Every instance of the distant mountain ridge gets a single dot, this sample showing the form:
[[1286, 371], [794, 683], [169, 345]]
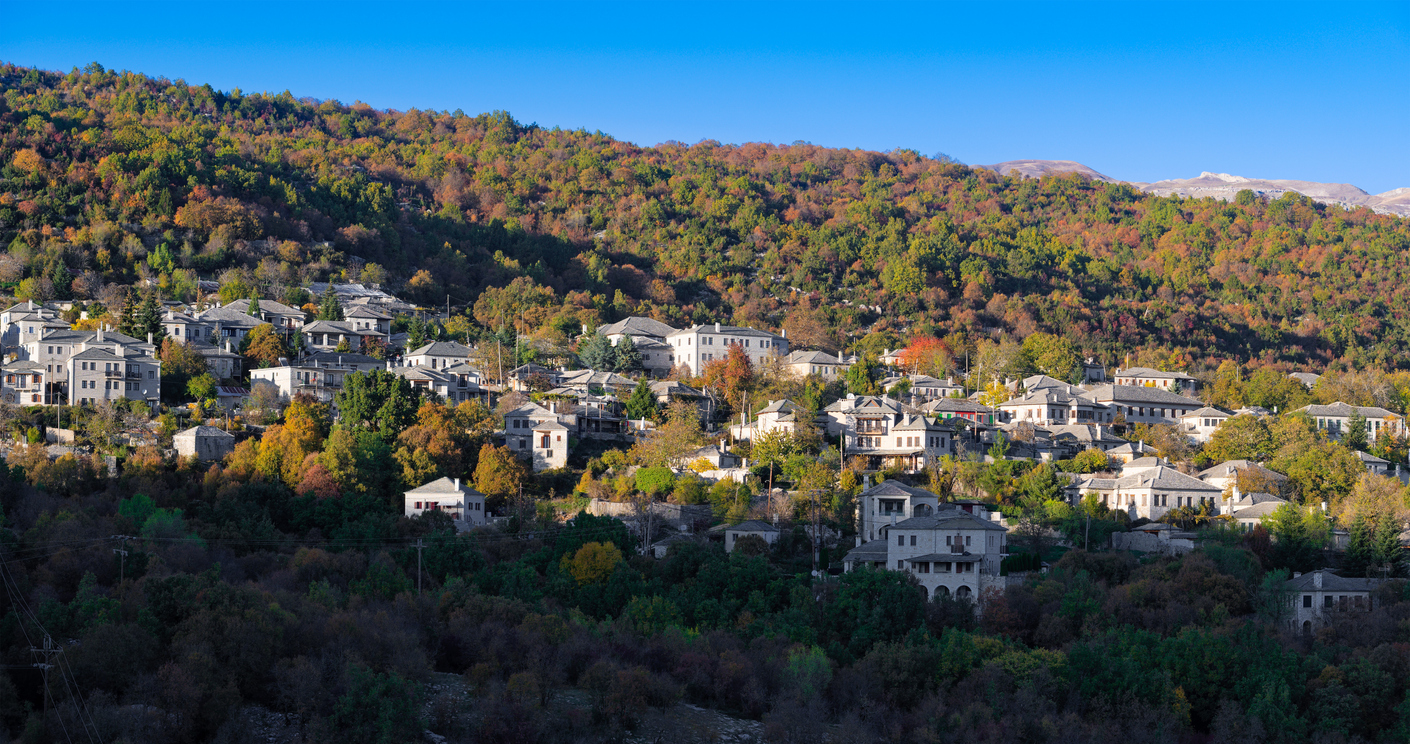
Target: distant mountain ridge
[[1225, 186]]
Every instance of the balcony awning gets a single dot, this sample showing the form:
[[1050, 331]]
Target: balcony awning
[[946, 558]]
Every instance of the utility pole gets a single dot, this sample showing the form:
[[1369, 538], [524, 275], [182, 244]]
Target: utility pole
[[817, 534], [47, 652], [122, 564], [419, 546]]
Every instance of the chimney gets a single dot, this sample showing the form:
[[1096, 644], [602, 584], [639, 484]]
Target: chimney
[[1237, 495], [227, 346], [149, 337], [717, 328], [1317, 579], [120, 350], [29, 304], [457, 484], [100, 333]]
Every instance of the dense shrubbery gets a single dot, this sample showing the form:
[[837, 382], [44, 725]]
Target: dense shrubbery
[[309, 606]]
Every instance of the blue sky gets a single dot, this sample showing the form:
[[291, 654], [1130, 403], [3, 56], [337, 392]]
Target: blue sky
[[1140, 91]]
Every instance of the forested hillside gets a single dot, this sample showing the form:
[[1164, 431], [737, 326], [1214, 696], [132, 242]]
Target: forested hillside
[[109, 178]]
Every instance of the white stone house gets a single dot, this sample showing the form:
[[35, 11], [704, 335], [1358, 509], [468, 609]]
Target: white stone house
[[326, 335], [1249, 510], [1335, 419], [455, 384], [1143, 405], [951, 552], [205, 443], [1054, 406], [22, 383], [1225, 475], [1201, 423], [767, 532], [696, 346], [778, 416], [1320, 596], [924, 387], [550, 445], [519, 426], [186, 328], [439, 354], [824, 365], [463, 504], [889, 502], [1149, 493], [649, 338], [96, 374], [1177, 382], [367, 318]]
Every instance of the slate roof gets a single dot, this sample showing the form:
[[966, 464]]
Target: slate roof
[[874, 551], [1343, 410], [1152, 373], [637, 326], [955, 405], [1331, 583], [206, 431], [724, 329], [888, 488], [444, 485], [752, 525], [1207, 412], [948, 519], [1306, 378], [1231, 467], [1140, 394], [778, 406], [339, 326], [1040, 382], [344, 358], [811, 357], [443, 348]]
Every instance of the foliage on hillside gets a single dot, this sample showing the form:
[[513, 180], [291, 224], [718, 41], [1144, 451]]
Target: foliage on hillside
[[112, 177]]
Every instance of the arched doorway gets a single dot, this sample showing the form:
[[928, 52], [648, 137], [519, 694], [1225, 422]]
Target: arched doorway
[[940, 591], [962, 593], [1307, 627], [923, 510]]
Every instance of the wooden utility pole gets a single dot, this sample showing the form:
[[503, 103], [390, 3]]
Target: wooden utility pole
[[419, 546]]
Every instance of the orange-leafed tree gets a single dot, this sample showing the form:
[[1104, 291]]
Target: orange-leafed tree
[[731, 377], [927, 355]]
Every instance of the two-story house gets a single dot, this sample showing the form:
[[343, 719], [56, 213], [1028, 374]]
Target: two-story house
[[327, 335], [318, 375], [822, 364], [924, 388], [1053, 406], [1201, 423], [22, 383], [22, 323], [463, 504], [1137, 404], [945, 408], [696, 346], [186, 328], [1149, 492], [1335, 419], [234, 320], [455, 384], [438, 354], [1321, 596], [519, 426], [649, 338], [1175, 382], [367, 318], [778, 416]]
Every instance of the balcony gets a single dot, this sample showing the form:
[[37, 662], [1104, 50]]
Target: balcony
[[134, 375], [113, 373]]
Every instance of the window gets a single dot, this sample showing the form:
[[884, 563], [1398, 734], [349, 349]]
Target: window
[[900, 565], [923, 567], [913, 541], [1307, 600], [968, 540], [1327, 601], [418, 505], [901, 540]]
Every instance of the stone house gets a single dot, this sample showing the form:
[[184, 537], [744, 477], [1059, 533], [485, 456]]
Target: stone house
[[550, 445], [951, 552], [733, 533], [1177, 382], [1320, 596], [205, 443], [464, 505], [694, 347], [1336, 418]]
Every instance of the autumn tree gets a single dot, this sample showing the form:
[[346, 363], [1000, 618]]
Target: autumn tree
[[732, 378], [499, 474], [444, 441], [669, 444], [263, 347], [927, 355]]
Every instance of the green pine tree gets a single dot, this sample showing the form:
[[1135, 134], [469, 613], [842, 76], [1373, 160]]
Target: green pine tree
[[596, 352], [1355, 436], [149, 319], [625, 356], [252, 309], [1386, 553], [127, 317], [415, 333], [1358, 549], [642, 403], [328, 307]]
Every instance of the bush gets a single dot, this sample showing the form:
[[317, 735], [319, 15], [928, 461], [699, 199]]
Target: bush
[[655, 481]]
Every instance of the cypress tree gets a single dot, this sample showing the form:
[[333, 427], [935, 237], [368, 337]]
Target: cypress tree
[[1386, 550], [1355, 437], [127, 318], [149, 320], [1358, 550]]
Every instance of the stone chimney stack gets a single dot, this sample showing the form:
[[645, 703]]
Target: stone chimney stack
[[149, 337], [100, 333], [1317, 579], [717, 328]]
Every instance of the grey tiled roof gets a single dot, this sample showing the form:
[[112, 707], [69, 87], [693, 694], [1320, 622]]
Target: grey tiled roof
[[1140, 394], [1343, 410], [637, 326], [1331, 583]]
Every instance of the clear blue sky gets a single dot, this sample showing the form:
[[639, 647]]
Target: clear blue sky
[[1139, 91]]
